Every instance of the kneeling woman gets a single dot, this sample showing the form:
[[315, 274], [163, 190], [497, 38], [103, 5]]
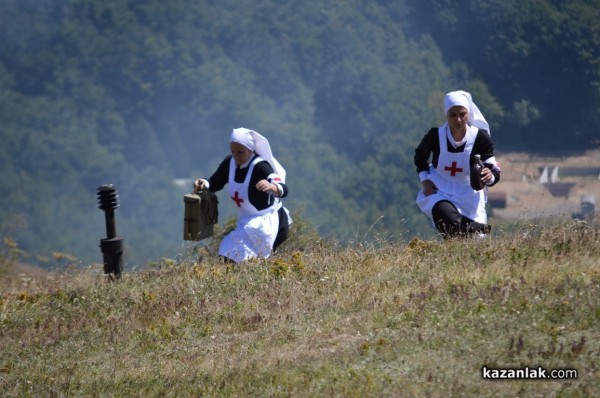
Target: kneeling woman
[[256, 185], [455, 208]]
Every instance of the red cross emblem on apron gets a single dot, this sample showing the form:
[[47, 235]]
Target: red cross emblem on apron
[[453, 170], [237, 199]]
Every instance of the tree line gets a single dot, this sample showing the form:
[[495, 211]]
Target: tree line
[[140, 93]]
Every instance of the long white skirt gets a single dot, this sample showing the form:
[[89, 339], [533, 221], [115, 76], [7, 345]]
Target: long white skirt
[[253, 237], [468, 202]]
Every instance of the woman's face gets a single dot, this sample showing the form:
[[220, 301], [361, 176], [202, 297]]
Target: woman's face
[[458, 117], [240, 153]]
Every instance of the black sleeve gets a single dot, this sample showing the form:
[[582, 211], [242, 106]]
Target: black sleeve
[[220, 177], [264, 171], [428, 145], [484, 146]]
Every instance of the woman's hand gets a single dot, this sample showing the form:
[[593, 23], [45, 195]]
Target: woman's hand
[[199, 184], [266, 186], [486, 176], [429, 187]]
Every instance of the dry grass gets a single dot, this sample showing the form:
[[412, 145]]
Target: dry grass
[[371, 320]]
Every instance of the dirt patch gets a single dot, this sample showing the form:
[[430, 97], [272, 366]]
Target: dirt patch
[[535, 186]]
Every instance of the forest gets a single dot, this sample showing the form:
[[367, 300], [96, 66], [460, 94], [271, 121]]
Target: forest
[[141, 94]]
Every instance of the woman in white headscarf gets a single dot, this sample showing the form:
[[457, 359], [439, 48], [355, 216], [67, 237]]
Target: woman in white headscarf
[[455, 208], [256, 185]]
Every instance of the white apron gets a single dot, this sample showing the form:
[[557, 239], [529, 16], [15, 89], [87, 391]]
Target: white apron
[[452, 181], [256, 230]]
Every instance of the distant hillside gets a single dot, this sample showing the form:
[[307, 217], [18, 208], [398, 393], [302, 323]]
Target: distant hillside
[[141, 93]]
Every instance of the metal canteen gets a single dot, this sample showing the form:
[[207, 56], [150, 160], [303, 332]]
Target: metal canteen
[[475, 178]]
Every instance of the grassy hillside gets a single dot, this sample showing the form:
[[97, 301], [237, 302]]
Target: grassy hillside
[[373, 319]]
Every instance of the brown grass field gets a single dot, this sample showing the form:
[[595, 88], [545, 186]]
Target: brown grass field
[[371, 319]]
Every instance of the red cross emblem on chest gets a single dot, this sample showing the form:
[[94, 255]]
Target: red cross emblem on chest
[[453, 170], [237, 199]]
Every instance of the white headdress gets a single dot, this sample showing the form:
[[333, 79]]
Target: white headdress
[[260, 145], [462, 98]]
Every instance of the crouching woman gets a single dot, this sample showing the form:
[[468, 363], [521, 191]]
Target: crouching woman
[[256, 184]]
